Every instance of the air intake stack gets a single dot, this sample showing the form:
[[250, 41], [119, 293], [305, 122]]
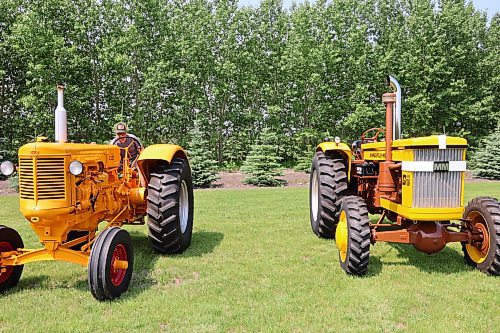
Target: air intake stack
[[61, 121], [396, 112]]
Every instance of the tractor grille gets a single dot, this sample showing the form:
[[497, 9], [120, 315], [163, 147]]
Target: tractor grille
[[452, 154], [50, 178], [49, 183], [437, 189], [26, 185]]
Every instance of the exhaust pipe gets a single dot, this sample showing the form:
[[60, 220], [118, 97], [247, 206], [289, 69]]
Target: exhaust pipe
[[396, 113], [61, 121]]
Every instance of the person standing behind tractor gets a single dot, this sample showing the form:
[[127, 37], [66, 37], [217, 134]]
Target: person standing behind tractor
[[126, 140]]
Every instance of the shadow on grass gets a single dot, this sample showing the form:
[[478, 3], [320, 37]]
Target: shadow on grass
[[202, 242], [32, 282], [46, 282], [144, 261], [145, 258], [447, 261], [374, 267]]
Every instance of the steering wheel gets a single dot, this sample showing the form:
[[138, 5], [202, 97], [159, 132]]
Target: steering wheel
[[374, 138], [125, 137], [126, 148]]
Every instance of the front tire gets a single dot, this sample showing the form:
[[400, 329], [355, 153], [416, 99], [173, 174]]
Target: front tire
[[110, 264], [10, 240], [352, 236], [328, 184], [170, 207], [484, 216]]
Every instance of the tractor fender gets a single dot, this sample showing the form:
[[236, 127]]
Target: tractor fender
[[154, 154], [342, 148]]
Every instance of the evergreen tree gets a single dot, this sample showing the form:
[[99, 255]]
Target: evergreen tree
[[262, 163], [486, 161], [305, 144], [304, 161], [314, 67], [203, 166]]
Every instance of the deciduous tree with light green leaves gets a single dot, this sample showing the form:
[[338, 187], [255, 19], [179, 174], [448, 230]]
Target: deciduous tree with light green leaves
[[314, 67]]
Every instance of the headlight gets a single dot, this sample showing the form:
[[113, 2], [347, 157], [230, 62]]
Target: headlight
[[7, 168], [337, 140], [76, 168]]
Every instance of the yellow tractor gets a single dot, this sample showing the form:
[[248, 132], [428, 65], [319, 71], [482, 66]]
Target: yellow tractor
[[417, 184], [67, 189]]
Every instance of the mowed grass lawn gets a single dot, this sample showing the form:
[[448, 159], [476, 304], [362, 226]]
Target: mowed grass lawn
[[255, 266]]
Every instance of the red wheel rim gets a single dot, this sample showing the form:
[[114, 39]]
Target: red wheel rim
[[485, 244], [118, 275], [479, 251], [6, 247]]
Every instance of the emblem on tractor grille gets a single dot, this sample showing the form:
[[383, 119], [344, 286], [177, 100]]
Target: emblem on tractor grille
[[441, 166]]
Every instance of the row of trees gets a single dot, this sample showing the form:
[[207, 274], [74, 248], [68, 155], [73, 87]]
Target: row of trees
[[312, 70]]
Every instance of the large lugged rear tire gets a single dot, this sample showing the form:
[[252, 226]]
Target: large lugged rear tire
[[10, 240], [110, 264], [170, 207], [484, 216], [353, 236], [328, 184]]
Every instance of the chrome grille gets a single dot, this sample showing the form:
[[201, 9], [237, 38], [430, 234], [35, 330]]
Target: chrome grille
[[437, 189], [451, 154], [26, 185], [46, 183]]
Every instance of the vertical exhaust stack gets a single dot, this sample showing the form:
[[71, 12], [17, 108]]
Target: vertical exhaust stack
[[396, 115], [61, 120], [386, 180]]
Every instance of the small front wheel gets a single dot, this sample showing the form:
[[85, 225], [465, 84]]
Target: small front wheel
[[10, 240], [110, 264], [352, 236], [483, 216]]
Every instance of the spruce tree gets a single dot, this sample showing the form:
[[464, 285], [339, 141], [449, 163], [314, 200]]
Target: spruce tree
[[262, 163], [486, 161], [203, 166], [304, 160]]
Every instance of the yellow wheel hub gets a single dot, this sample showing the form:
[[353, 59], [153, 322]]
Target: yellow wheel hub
[[341, 236]]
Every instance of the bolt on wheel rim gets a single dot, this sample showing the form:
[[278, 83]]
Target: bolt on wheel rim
[[341, 236], [118, 275], [183, 206], [7, 271], [314, 195], [479, 253]]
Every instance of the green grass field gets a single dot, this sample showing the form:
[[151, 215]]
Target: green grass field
[[255, 266]]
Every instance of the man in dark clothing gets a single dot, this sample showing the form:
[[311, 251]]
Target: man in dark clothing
[[125, 140]]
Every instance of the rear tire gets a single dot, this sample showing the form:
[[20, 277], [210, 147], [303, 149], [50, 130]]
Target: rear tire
[[484, 213], [170, 207], [353, 236], [106, 281], [328, 184], [10, 240]]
